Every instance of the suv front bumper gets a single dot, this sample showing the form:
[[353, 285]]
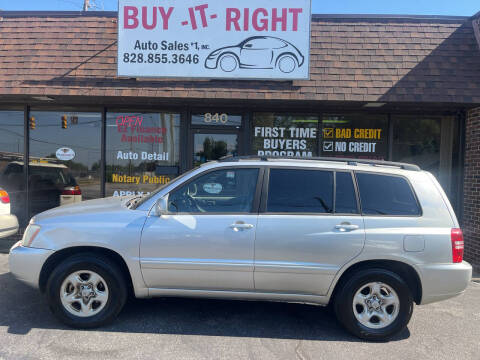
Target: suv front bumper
[[26, 263], [443, 281]]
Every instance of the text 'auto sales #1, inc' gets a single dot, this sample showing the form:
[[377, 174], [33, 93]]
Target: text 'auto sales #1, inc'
[[239, 39]]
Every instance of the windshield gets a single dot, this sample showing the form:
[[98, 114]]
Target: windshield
[[144, 198]]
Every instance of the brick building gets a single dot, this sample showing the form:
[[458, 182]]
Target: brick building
[[415, 80]]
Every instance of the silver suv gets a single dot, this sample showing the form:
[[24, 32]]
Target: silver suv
[[371, 238]]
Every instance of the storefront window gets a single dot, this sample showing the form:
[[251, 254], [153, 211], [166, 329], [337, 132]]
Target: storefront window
[[285, 135], [355, 136], [417, 140], [11, 160], [143, 151], [64, 158]]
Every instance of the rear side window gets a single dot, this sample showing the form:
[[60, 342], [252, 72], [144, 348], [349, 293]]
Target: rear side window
[[300, 191], [345, 198], [386, 195]]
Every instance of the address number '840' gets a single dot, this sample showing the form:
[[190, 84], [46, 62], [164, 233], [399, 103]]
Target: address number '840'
[[215, 118]]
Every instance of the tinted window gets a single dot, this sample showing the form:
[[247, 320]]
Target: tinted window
[[345, 200], [386, 195], [300, 191], [222, 191]]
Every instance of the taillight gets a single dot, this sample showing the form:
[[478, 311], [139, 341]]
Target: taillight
[[73, 190], [4, 197], [457, 245]]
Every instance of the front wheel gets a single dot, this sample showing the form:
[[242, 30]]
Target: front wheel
[[86, 291], [374, 304], [228, 63]]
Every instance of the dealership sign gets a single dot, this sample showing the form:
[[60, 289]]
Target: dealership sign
[[65, 154], [240, 39]]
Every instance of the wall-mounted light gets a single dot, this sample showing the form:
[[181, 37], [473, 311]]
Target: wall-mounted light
[[43, 98], [374, 105]]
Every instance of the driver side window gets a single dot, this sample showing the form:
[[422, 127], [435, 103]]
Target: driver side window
[[220, 191], [257, 44]]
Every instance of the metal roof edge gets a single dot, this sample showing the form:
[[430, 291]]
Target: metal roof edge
[[6, 13], [391, 17]]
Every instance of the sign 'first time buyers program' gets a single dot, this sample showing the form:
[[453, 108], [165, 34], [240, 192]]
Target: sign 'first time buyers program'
[[240, 39]]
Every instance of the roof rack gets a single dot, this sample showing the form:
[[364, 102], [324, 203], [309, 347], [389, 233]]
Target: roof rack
[[351, 162]]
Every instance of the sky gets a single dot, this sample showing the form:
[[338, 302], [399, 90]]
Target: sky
[[404, 7]]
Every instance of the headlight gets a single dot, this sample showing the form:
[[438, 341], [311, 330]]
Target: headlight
[[30, 234]]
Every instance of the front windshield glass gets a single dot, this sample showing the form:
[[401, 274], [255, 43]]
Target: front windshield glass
[[144, 198]]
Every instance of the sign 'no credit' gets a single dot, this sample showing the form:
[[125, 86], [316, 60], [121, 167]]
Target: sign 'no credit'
[[241, 39]]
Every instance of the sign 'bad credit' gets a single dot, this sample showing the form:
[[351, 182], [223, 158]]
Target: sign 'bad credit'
[[241, 39]]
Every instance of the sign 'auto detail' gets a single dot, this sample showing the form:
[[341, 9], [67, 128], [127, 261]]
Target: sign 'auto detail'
[[247, 39]]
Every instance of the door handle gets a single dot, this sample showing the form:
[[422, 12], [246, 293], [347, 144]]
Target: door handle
[[346, 227], [239, 226]]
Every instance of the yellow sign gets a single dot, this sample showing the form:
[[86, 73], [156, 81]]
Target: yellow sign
[[374, 134], [328, 133], [144, 179], [346, 133]]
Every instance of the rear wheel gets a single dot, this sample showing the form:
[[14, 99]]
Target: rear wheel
[[287, 64], [374, 304], [86, 291]]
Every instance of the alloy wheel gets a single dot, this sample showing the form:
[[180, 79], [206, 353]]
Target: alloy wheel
[[376, 305], [84, 293]]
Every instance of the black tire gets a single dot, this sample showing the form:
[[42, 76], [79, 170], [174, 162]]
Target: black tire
[[343, 304], [104, 267]]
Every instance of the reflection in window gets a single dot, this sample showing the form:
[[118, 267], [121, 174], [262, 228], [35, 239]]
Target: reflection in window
[[65, 158], [222, 191], [417, 141], [11, 161], [208, 147], [143, 151]]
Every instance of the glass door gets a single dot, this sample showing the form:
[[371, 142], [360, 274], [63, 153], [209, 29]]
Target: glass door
[[211, 145], [215, 135]]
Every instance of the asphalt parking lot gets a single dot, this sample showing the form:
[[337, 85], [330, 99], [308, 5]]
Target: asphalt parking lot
[[211, 329]]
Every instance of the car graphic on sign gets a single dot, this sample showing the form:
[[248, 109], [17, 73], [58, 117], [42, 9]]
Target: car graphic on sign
[[258, 52]]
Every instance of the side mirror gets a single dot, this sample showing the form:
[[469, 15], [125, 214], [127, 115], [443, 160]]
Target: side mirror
[[161, 207]]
